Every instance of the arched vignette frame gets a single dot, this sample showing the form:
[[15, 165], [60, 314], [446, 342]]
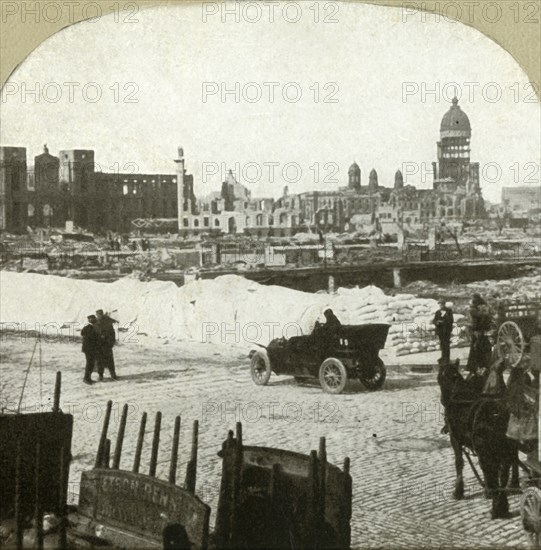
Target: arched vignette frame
[[516, 31]]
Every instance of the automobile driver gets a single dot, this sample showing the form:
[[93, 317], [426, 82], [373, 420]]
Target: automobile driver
[[328, 331]]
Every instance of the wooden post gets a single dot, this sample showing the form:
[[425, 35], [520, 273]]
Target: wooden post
[[38, 511], [57, 389], [313, 505], [155, 445], [106, 461], [174, 452], [139, 448], [237, 473], [120, 437], [346, 465], [18, 501], [348, 495], [274, 494], [222, 529], [191, 469], [103, 437], [62, 539], [322, 457], [229, 442], [397, 279], [239, 433]]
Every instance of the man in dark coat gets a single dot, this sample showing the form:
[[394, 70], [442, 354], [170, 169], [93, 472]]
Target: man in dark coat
[[331, 321], [443, 321], [480, 348], [327, 333], [107, 337], [90, 347]]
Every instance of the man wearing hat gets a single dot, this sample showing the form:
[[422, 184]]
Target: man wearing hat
[[481, 323], [327, 333], [443, 321], [90, 347], [107, 338]]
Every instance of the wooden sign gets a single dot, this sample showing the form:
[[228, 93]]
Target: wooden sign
[[142, 505]]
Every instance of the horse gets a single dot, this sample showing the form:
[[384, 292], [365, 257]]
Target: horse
[[476, 418]]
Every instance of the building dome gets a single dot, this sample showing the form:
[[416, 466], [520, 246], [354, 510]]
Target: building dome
[[398, 180], [373, 180], [455, 122], [354, 168], [354, 177]]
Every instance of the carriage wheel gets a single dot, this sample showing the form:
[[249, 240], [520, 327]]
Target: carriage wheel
[[260, 368], [333, 375], [512, 340], [530, 512]]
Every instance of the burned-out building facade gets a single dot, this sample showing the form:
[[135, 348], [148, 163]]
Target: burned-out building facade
[[71, 187]]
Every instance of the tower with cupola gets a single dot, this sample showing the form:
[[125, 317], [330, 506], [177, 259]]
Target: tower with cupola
[[354, 177], [454, 173]]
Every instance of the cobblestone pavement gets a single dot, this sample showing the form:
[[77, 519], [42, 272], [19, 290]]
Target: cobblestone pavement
[[402, 467]]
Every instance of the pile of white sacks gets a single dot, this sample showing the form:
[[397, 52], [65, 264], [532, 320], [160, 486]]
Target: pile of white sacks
[[410, 317], [228, 310]]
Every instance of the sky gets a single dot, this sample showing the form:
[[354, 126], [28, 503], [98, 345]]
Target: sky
[[316, 91]]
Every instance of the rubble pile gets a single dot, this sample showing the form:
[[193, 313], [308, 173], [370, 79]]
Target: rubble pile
[[228, 310], [351, 256], [520, 288], [523, 288]]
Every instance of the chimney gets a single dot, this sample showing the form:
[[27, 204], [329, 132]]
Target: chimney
[[180, 186]]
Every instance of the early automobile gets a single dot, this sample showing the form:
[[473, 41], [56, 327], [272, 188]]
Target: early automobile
[[352, 353]]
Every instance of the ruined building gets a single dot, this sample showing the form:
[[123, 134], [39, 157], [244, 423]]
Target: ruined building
[[72, 187]]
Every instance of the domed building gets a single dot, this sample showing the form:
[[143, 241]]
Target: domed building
[[454, 167], [455, 123], [398, 180], [456, 194], [354, 177], [454, 173], [67, 188], [373, 181]]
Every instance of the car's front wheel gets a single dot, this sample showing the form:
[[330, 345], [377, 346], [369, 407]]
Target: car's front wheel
[[333, 376], [260, 368]]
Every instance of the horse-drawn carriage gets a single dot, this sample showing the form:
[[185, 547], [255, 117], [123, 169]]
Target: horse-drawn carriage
[[517, 322], [518, 333], [524, 427], [351, 353]]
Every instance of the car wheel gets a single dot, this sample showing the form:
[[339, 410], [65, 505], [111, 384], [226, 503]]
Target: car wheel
[[260, 368], [375, 378], [333, 375]]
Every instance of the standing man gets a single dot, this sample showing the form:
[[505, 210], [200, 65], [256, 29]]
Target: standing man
[[107, 338], [443, 321], [481, 322], [90, 347]]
